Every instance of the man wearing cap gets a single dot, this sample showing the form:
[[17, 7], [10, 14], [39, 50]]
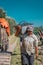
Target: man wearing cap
[[29, 47]]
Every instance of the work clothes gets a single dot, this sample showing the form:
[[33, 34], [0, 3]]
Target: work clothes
[[28, 49], [27, 59]]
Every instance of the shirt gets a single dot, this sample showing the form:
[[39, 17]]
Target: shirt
[[29, 43]]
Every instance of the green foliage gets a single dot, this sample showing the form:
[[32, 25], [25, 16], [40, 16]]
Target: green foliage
[[37, 29], [11, 22], [2, 13], [41, 28]]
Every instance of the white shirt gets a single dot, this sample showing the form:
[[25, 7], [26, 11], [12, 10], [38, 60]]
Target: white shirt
[[30, 42]]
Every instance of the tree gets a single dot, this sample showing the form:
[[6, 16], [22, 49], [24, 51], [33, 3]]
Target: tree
[[2, 13], [41, 28], [11, 22], [36, 30]]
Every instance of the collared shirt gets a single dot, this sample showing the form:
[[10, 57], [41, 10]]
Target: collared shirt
[[28, 44]]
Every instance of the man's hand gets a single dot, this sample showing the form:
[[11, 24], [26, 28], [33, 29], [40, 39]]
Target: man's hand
[[36, 48]]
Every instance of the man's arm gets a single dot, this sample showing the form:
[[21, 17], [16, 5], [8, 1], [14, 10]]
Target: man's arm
[[36, 49], [36, 46], [18, 30]]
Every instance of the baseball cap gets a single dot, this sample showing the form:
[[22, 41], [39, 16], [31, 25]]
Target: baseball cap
[[30, 28]]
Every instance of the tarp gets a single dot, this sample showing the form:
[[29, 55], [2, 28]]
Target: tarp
[[5, 24]]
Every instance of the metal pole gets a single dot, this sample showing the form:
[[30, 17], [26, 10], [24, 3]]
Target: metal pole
[[0, 33]]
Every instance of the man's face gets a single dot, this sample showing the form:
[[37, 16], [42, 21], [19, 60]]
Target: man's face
[[29, 32]]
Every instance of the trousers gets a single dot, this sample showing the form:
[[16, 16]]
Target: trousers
[[27, 59]]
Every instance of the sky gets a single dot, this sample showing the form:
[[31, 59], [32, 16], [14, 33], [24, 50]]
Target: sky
[[28, 10]]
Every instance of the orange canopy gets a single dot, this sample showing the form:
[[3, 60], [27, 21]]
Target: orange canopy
[[5, 24]]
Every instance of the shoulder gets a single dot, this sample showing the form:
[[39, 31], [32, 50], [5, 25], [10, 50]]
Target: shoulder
[[34, 36]]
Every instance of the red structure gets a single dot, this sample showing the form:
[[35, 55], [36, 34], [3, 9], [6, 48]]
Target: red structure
[[5, 24]]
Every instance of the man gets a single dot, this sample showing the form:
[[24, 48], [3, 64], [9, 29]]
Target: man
[[29, 47]]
